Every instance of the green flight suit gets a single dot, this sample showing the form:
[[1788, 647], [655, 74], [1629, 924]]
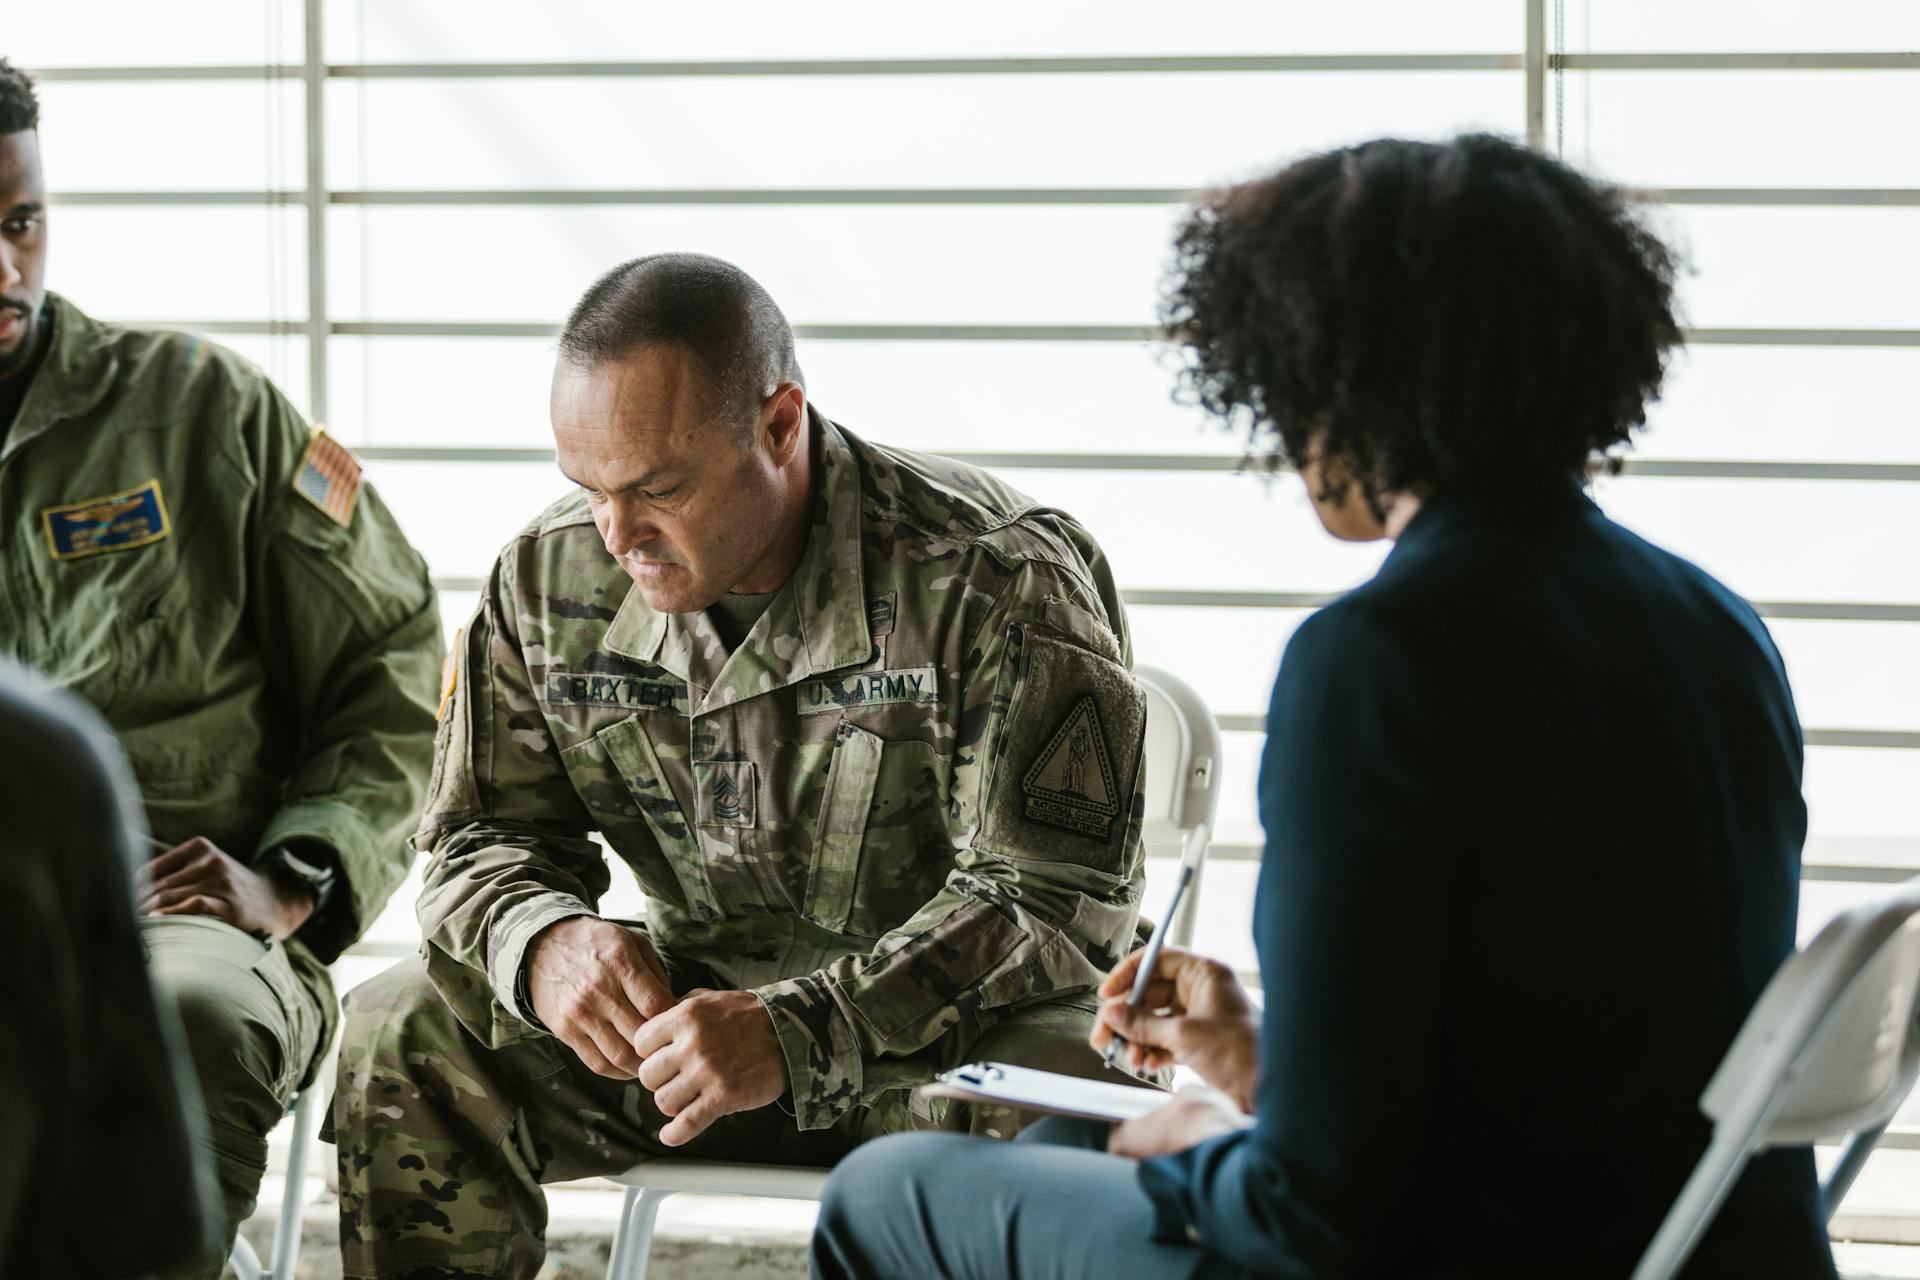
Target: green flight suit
[[177, 549], [904, 811]]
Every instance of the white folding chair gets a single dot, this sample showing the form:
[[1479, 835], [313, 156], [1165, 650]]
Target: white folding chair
[[1183, 790], [1831, 1048], [1183, 782], [286, 1232]]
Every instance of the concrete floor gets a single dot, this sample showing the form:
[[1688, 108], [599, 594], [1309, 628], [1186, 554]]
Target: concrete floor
[[746, 1238], [741, 1238]]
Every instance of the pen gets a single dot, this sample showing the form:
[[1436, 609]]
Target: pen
[[1145, 973]]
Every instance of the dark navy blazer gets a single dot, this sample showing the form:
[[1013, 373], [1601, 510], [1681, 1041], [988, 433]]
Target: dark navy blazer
[[1533, 816]]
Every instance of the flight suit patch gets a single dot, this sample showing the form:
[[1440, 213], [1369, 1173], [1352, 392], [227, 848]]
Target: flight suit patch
[[328, 477], [637, 693], [116, 522], [1070, 784], [868, 689], [726, 793]]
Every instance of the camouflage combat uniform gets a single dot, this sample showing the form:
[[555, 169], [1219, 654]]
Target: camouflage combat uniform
[[867, 814], [178, 549]]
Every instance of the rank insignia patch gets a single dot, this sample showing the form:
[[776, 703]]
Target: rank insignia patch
[[116, 522], [328, 477], [726, 793], [1070, 784]]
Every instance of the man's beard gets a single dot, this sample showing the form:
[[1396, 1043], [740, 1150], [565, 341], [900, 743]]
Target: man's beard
[[26, 348]]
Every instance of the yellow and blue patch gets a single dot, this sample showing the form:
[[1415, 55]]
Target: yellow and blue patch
[[115, 522]]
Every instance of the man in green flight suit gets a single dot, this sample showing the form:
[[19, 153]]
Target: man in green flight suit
[[816, 694], [178, 549]]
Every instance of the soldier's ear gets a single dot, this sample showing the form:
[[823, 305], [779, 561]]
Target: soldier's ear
[[784, 419]]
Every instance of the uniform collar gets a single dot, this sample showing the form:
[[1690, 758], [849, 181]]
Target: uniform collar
[[76, 372], [816, 623]]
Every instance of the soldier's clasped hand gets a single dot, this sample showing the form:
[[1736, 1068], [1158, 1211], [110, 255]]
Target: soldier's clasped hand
[[198, 878], [714, 1054], [594, 983]]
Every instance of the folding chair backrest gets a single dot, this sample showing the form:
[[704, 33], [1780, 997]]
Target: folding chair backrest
[[1183, 776], [1835, 1027]]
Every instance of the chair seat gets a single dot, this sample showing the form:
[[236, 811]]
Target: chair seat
[[725, 1177]]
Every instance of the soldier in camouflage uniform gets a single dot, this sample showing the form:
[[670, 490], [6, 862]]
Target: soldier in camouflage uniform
[[179, 550], [833, 749]]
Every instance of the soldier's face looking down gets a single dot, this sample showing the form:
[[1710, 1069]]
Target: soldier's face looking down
[[693, 502], [23, 248]]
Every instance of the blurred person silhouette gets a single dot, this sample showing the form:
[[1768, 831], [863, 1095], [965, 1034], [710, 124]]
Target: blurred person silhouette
[[99, 1174]]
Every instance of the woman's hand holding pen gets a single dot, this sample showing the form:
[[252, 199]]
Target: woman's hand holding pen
[[1195, 1014]]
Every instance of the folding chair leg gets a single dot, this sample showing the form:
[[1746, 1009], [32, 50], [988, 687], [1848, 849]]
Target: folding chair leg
[[1852, 1160], [633, 1234], [244, 1261], [1727, 1155], [286, 1232]]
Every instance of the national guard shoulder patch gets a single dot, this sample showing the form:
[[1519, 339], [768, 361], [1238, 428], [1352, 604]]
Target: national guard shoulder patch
[[116, 522], [328, 477], [1070, 784], [1063, 759]]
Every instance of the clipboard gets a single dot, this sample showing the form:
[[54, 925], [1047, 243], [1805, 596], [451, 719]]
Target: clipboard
[[1010, 1086]]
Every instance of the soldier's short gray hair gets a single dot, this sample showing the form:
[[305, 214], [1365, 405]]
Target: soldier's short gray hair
[[711, 308]]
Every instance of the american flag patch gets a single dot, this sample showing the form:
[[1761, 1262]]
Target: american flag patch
[[328, 477]]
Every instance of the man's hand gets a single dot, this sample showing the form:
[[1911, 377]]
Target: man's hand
[[595, 983], [1195, 1014], [198, 878], [1193, 1116], [713, 1054]]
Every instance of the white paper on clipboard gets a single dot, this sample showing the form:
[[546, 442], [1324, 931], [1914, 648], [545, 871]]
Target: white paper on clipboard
[[1012, 1086]]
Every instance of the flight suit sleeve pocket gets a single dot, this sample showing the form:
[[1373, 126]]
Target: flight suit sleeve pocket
[[843, 825], [1064, 759]]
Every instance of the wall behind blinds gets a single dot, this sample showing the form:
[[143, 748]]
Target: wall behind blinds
[[967, 221]]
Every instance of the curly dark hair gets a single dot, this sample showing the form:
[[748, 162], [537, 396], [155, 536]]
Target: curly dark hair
[[1465, 315], [19, 105]]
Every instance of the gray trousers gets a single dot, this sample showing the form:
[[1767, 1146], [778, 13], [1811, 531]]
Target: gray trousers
[[1051, 1206]]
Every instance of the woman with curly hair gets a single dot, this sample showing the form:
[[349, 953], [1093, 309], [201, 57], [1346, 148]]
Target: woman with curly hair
[[1531, 794]]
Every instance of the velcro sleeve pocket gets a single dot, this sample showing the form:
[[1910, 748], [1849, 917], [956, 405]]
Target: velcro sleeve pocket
[[1064, 759]]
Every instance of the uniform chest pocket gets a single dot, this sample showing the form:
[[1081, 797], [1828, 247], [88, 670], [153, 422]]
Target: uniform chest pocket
[[881, 845], [644, 785]]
